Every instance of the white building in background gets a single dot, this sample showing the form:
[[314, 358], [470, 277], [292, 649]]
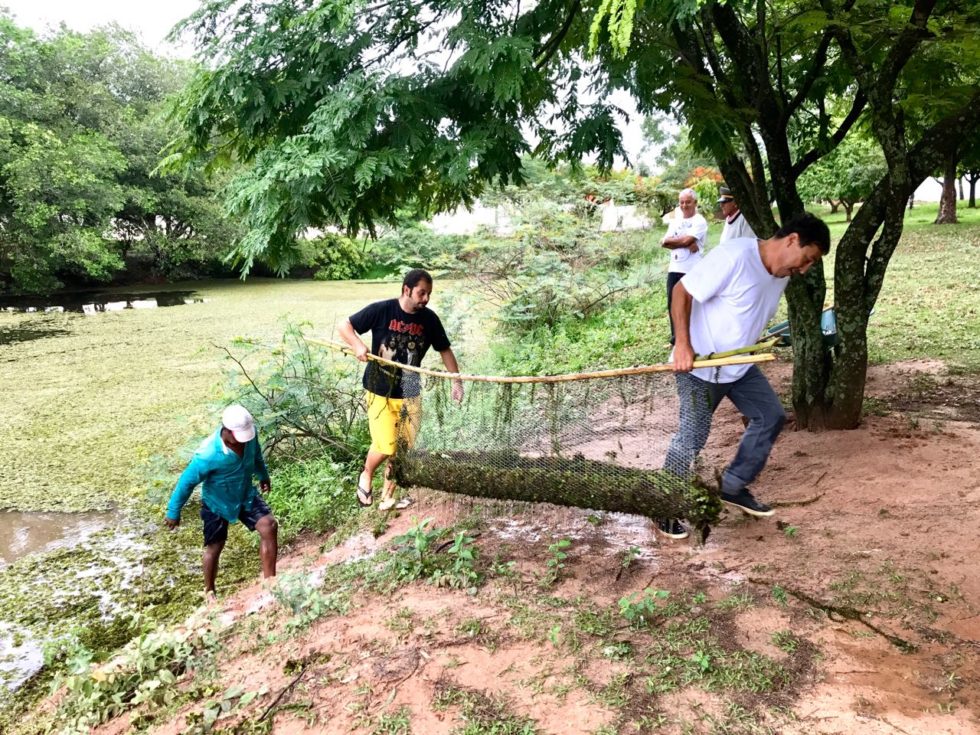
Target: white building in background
[[931, 190], [617, 218], [462, 221]]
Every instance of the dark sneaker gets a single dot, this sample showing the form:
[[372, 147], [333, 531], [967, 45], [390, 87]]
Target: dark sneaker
[[744, 501], [671, 528]]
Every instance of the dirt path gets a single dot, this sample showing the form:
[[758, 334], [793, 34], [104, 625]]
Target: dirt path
[[855, 610]]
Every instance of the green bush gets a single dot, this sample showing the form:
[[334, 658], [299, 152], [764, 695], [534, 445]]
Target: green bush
[[314, 495], [416, 246], [333, 257], [630, 331], [146, 670], [441, 556], [306, 403]]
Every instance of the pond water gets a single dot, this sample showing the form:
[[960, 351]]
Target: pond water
[[27, 533], [95, 302]]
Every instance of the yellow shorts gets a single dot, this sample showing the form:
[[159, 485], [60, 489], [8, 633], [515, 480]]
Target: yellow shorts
[[391, 419]]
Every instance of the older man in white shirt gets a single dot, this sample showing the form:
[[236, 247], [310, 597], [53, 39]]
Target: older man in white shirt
[[685, 239]]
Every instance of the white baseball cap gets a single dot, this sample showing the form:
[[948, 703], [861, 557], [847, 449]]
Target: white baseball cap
[[239, 422]]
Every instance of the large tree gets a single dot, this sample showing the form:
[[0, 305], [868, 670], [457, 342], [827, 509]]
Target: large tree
[[346, 111], [82, 124], [845, 176]]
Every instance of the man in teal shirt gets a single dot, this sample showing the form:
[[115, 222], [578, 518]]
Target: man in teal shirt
[[226, 462]]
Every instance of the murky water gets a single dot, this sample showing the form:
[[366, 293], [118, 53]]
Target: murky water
[[95, 303], [27, 533]]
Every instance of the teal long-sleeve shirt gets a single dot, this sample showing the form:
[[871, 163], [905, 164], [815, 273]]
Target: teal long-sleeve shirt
[[226, 477]]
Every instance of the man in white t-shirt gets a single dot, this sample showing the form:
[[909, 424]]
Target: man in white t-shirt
[[685, 240], [723, 304], [735, 223]]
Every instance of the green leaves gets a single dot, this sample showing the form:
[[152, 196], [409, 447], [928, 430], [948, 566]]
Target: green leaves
[[346, 115], [81, 126]]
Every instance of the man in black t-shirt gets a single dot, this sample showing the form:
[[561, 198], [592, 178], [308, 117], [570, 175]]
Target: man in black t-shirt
[[402, 330]]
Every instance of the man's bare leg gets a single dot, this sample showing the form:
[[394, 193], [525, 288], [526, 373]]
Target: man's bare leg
[[268, 530], [371, 464], [211, 554]]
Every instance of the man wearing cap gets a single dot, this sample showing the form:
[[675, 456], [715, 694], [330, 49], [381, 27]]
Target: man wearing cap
[[685, 240], [735, 223], [225, 463]]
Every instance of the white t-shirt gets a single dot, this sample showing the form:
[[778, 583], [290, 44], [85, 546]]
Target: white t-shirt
[[734, 298], [738, 227], [682, 259]]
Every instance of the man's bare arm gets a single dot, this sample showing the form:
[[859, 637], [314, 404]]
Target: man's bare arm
[[680, 315], [676, 243], [347, 333], [449, 360]]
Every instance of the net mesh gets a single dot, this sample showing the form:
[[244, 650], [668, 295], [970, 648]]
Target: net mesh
[[598, 443]]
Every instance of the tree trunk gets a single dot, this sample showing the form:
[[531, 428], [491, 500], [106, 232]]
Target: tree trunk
[[959, 186], [848, 209], [573, 481], [851, 310], [973, 177], [911, 202], [811, 362], [947, 203], [834, 206]]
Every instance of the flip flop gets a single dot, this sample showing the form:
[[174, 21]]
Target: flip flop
[[364, 495]]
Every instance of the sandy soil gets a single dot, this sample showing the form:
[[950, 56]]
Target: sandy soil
[[870, 562]]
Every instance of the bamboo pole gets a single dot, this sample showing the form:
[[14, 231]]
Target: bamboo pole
[[735, 358]]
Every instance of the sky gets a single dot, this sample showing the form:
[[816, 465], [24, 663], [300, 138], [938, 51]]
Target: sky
[[153, 20]]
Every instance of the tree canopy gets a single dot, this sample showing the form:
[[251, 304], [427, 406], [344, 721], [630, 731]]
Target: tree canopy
[[82, 124], [345, 112]]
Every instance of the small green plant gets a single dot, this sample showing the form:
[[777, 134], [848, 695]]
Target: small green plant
[[702, 660], [736, 601], [790, 531], [554, 635], [555, 563], [785, 640], [780, 595], [402, 621], [629, 556], [481, 714], [872, 406], [472, 628], [618, 651], [395, 723], [641, 608], [306, 602], [418, 555], [230, 701]]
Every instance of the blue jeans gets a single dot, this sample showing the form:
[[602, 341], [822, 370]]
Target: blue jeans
[[753, 397]]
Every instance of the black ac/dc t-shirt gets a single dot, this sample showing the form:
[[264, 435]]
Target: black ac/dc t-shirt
[[401, 337]]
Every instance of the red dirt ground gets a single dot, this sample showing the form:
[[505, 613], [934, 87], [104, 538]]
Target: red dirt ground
[[880, 523]]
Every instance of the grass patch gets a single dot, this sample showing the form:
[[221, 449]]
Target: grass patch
[[932, 265], [481, 714], [394, 723]]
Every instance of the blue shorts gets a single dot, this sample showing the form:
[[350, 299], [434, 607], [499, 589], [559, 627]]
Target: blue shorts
[[216, 527]]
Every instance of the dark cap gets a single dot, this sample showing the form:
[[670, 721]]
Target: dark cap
[[725, 195]]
